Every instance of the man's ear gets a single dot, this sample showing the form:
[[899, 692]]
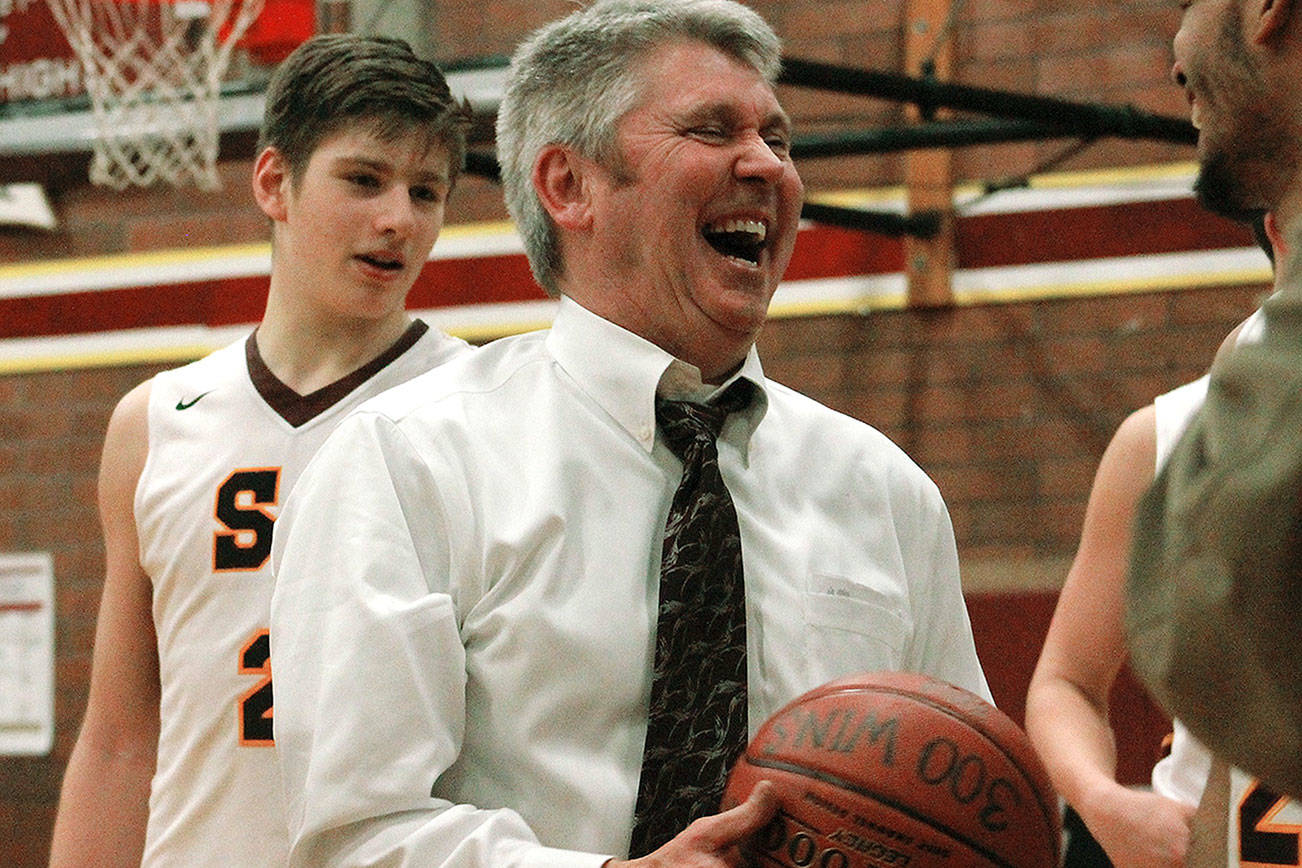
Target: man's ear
[[1271, 18], [271, 183], [560, 178]]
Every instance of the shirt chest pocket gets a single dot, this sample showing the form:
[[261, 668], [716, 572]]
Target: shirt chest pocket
[[852, 628]]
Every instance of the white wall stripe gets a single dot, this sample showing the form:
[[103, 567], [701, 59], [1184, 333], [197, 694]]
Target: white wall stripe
[[1048, 193]]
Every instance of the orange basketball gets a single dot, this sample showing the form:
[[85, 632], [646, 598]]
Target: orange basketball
[[895, 769]]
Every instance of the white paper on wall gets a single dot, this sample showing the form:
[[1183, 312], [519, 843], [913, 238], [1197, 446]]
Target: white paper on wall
[[26, 653]]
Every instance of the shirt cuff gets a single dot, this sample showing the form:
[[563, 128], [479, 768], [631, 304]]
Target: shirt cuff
[[551, 857]]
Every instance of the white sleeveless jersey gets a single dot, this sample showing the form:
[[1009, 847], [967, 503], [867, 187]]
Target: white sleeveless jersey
[[1181, 774], [227, 441], [1264, 828]]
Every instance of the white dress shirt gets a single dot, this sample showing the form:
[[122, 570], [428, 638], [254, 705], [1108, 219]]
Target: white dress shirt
[[467, 577]]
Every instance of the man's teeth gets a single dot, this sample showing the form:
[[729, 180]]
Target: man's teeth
[[740, 239], [749, 227]]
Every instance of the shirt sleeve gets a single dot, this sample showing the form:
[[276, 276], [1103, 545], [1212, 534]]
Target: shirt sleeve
[[369, 669], [942, 645]]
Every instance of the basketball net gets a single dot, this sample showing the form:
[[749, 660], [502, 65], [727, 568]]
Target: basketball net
[[153, 72]]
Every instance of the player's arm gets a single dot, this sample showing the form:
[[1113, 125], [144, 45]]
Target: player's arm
[[369, 663], [1067, 704], [104, 804]]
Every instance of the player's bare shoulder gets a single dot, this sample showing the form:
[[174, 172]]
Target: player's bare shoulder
[[126, 442]]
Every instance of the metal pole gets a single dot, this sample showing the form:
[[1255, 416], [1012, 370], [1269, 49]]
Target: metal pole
[[335, 16], [1087, 119]]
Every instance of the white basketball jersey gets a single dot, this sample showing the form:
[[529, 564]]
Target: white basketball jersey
[[227, 441], [1264, 828], [1181, 774]]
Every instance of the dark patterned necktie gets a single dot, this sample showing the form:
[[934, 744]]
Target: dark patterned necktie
[[697, 722]]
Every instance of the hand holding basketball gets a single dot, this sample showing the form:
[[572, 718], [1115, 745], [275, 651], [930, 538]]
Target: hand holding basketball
[[717, 841], [899, 769]]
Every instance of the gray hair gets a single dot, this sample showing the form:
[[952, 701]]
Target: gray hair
[[572, 80]]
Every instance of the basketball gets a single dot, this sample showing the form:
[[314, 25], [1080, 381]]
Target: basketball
[[894, 769]]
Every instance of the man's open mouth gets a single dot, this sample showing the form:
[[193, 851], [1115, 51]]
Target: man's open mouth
[[387, 263], [740, 239]]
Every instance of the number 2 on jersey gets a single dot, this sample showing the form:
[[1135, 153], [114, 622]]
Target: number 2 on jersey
[[1262, 839], [255, 707]]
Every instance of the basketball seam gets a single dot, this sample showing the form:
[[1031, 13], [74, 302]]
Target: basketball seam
[[844, 784]]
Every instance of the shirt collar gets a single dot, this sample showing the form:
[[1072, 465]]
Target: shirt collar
[[622, 372]]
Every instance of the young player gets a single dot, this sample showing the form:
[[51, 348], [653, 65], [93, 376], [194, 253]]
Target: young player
[[1066, 708], [361, 145]]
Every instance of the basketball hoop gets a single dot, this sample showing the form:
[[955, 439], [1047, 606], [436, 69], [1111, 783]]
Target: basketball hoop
[[153, 71]]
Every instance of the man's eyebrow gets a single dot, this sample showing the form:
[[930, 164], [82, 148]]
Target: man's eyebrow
[[359, 161], [779, 120], [713, 111], [728, 113], [434, 178]]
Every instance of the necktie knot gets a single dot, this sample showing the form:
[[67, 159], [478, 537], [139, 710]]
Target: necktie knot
[[686, 422]]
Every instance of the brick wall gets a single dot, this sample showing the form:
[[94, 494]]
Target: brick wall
[[1007, 406], [1118, 53]]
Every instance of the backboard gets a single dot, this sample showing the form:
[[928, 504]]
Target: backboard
[[46, 126]]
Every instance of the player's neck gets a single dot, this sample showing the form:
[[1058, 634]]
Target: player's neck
[[308, 352]]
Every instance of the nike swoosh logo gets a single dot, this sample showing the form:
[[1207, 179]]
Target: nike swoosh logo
[[186, 405]]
